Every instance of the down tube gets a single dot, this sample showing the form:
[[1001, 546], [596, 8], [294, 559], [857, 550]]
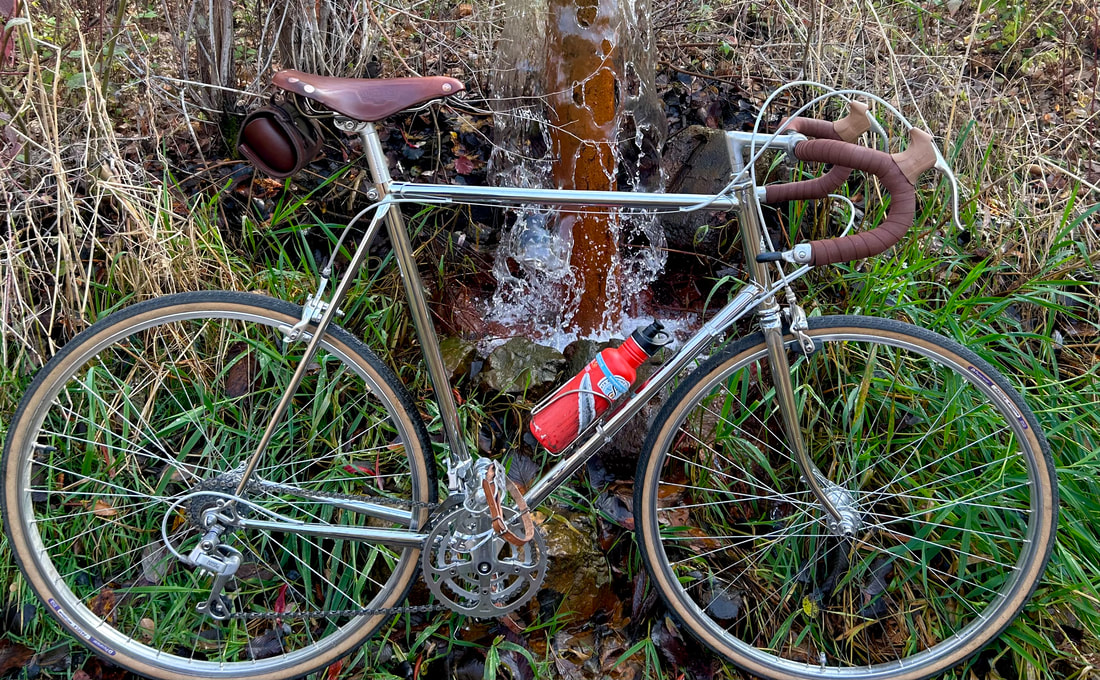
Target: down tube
[[746, 299]]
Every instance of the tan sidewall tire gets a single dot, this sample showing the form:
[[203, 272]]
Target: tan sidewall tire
[[28, 415], [667, 422]]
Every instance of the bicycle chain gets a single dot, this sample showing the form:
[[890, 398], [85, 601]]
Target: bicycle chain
[[332, 613]]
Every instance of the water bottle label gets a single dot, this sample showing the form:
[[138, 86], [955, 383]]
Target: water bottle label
[[611, 385]]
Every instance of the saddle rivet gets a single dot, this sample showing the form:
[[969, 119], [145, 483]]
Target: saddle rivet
[[309, 89], [446, 87], [292, 79]]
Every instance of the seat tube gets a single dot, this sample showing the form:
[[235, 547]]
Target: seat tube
[[418, 303], [771, 323]]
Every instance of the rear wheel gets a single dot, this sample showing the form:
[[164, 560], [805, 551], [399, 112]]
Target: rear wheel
[[167, 399], [935, 460]]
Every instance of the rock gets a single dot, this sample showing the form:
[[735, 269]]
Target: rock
[[620, 455], [578, 569], [581, 351], [697, 162], [521, 366], [458, 355]]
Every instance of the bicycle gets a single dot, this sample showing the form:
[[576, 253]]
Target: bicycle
[[222, 484]]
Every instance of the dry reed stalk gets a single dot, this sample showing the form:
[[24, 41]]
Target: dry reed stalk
[[81, 220]]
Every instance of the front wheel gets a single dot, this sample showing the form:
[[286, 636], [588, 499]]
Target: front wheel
[[144, 420], [932, 457]]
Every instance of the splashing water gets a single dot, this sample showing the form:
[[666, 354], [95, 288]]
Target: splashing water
[[542, 140]]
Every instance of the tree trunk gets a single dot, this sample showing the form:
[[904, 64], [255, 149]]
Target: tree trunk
[[582, 42]]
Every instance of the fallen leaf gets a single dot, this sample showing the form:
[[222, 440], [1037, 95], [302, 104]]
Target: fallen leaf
[[463, 165], [333, 671], [155, 562], [102, 508], [13, 656], [148, 626], [267, 645], [104, 605], [241, 376]]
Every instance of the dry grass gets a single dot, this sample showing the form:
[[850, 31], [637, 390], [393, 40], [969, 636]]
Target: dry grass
[[1024, 109]]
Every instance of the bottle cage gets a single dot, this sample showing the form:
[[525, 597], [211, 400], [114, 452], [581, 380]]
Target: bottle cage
[[279, 140]]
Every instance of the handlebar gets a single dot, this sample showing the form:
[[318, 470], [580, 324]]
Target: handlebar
[[898, 174], [847, 129]]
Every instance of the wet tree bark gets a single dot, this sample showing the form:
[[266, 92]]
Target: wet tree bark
[[581, 79]]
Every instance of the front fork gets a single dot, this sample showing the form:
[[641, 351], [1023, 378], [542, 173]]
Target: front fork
[[829, 495]]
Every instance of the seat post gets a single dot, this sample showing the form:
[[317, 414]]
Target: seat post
[[418, 303]]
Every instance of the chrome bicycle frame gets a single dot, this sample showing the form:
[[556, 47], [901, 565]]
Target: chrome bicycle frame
[[758, 292]]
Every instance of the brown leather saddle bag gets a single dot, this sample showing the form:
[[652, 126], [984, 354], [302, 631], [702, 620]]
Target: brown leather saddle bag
[[279, 140]]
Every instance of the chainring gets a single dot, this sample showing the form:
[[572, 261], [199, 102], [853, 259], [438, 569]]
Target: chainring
[[475, 572]]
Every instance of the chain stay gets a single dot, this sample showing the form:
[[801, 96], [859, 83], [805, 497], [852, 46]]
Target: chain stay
[[262, 485]]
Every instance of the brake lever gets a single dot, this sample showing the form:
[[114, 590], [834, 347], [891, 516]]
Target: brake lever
[[879, 131]]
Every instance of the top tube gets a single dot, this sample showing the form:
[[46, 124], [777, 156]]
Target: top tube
[[429, 193]]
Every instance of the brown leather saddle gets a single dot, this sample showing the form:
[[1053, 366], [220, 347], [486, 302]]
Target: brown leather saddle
[[364, 99]]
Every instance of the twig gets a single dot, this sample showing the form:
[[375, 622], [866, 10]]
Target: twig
[[740, 88], [389, 40]]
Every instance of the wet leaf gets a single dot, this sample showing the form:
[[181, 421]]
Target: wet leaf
[[155, 562], [241, 376], [13, 656], [469, 667], [598, 476], [639, 599], [17, 618], [267, 645], [463, 165], [670, 644], [616, 510], [669, 495], [875, 604], [703, 543], [681, 653], [333, 671], [571, 652], [98, 669], [280, 601], [724, 605], [522, 470], [357, 467], [104, 605]]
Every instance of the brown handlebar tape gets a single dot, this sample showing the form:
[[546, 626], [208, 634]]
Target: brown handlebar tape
[[847, 129], [903, 199]]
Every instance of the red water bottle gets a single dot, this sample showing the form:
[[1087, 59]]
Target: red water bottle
[[606, 378]]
